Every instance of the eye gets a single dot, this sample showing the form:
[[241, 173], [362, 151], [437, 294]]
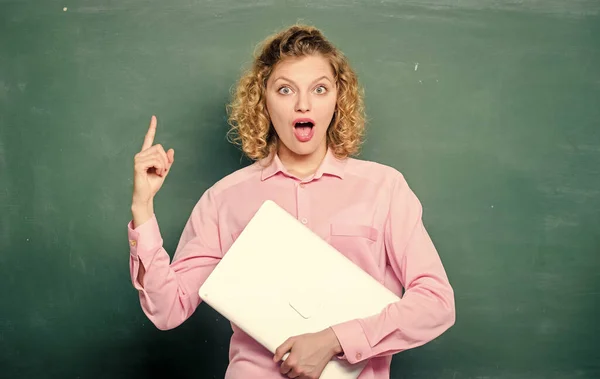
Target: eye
[[320, 90], [285, 90]]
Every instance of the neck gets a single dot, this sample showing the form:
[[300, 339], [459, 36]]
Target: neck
[[302, 166]]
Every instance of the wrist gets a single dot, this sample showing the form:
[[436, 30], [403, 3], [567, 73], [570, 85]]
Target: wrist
[[140, 205], [336, 347], [141, 212]]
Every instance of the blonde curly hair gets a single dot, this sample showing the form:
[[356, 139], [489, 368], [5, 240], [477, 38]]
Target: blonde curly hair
[[251, 128]]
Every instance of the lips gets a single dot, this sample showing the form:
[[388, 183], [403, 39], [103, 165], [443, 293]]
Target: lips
[[304, 122], [303, 129]]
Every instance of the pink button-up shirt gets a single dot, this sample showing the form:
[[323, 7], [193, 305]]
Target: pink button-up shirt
[[364, 209]]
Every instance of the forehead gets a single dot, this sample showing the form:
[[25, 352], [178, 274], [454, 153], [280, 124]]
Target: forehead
[[303, 69]]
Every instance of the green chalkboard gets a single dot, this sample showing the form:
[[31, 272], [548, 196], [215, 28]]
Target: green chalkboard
[[491, 109]]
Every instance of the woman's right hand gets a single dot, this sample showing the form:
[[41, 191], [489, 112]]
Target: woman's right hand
[[151, 167]]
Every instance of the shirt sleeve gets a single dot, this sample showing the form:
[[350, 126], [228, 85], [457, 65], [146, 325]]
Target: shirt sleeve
[[426, 309], [169, 292]]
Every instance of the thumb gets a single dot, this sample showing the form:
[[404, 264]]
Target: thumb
[[170, 160], [283, 349]]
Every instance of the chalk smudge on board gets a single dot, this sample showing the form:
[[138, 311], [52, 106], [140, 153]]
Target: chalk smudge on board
[[581, 148], [552, 222]]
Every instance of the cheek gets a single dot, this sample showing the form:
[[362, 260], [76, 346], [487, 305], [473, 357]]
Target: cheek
[[274, 107], [269, 105], [332, 106], [276, 113], [333, 102], [328, 108]]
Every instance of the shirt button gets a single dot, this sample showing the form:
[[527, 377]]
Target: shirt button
[[302, 185], [132, 243], [358, 356], [304, 221]]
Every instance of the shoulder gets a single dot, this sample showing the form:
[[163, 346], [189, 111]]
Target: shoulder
[[230, 185], [250, 173], [379, 173], [391, 185]]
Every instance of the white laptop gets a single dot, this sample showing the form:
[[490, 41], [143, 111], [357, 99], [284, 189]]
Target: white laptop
[[279, 279]]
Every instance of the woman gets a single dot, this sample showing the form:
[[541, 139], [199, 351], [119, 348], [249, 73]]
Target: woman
[[298, 114]]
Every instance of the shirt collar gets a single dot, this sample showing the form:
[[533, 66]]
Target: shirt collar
[[329, 166]]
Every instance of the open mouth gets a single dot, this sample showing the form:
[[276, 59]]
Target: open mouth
[[304, 125], [303, 128]]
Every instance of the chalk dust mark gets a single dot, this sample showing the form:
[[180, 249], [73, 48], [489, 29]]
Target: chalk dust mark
[[554, 222], [569, 191], [580, 148], [582, 294]]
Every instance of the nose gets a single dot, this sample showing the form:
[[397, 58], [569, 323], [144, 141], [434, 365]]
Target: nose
[[303, 103]]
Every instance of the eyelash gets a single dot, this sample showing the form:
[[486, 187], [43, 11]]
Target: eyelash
[[319, 86]]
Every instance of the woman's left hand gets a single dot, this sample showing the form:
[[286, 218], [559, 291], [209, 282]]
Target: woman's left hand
[[309, 354]]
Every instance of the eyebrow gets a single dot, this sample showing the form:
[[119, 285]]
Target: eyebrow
[[291, 81]]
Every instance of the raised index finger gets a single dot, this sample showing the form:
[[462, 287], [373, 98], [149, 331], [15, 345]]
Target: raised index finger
[[149, 139]]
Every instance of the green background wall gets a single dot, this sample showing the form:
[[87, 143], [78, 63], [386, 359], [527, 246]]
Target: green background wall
[[491, 109]]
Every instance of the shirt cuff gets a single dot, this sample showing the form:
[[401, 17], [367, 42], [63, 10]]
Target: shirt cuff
[[354, 343], [145, 239]]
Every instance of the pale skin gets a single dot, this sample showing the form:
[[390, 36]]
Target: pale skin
[[150, 169], [302, 87]]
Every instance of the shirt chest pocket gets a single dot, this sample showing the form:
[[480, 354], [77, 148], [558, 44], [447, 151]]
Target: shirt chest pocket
[[354, 231], [358, 243]]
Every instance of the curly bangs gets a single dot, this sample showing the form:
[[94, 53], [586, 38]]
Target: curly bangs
[[250, 127]]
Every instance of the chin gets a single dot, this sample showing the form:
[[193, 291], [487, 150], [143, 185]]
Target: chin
[[301, 151], [304, 148]]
